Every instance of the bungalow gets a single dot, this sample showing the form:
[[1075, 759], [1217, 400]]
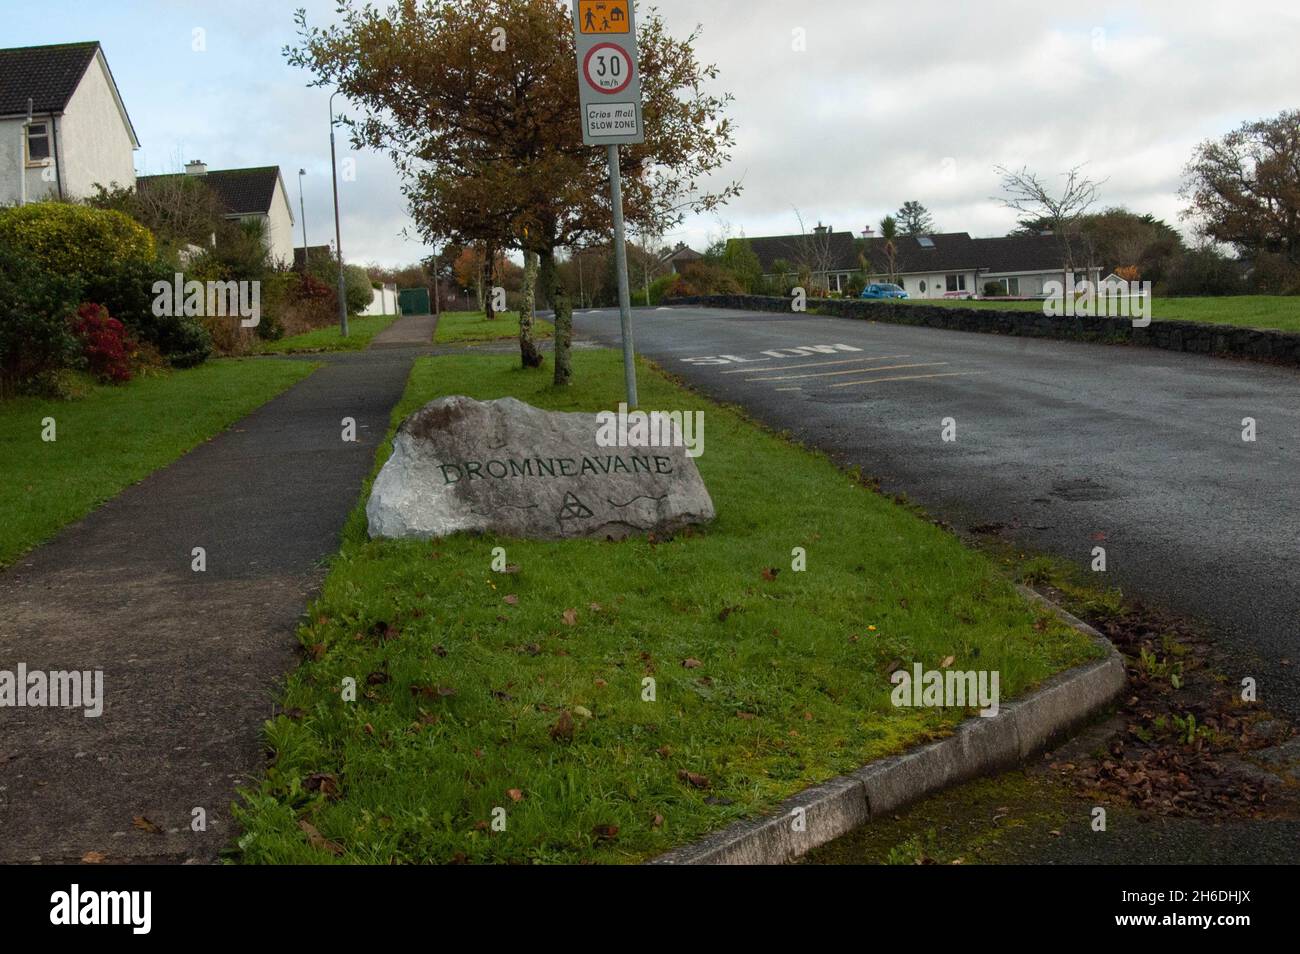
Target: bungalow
[[945, 265], [256, 194], [679, 258], [63, 126]]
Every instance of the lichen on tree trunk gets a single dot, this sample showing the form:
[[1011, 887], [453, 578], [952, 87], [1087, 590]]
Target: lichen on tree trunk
[[558, 297], [528, 353]]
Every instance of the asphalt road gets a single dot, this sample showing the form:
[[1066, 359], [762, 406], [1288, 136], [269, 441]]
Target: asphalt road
[[1068, 446]]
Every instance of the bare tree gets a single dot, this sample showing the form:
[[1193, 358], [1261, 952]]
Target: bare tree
[[1025, 192], [813, 251]]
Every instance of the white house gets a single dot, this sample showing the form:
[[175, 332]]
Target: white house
[[945, 265], [79, 134], [248, 194]]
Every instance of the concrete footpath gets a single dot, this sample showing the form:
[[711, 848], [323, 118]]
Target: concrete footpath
[[191, 661]]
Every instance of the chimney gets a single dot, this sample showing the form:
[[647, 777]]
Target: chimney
[[821, 229], [196, 167], [868, 232]]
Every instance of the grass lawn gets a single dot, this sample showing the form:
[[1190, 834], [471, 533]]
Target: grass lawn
[[114, 437], [1279, 312], [360, 330], [462, 673], [471, 326]]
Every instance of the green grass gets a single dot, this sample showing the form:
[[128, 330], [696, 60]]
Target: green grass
[[458, 689], [1278, 312], [115, 436], [472, 326], [361, 329]]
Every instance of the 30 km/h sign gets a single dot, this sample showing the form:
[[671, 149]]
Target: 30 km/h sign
[[609, 81]]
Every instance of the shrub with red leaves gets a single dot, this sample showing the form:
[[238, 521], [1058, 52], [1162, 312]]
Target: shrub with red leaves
[[105, 344]]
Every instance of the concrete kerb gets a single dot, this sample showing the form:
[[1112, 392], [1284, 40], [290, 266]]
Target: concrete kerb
[[979, 746]]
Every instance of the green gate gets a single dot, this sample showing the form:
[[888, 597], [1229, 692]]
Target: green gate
[[414, 301]]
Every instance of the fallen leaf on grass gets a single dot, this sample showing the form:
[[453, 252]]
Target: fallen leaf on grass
[[947, 661], [605, 832], [691, 663], [770, 573], [562, 731], [93, 858], [317, 840], [515, 794], [657, 821], [144, 824], [571, 617], [322, 782], [512, 599], [696, 780]]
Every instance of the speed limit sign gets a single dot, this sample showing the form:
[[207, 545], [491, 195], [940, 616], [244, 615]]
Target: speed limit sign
[[609, 87], [608, 68]]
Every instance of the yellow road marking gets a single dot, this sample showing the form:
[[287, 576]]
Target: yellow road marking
[[908, 377], [815, 364], [832, 374]]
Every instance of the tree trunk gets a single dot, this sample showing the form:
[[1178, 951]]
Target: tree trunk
[[490, 269], [558, 296], [528, 353]]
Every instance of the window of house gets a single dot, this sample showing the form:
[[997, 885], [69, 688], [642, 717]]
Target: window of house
[[1010, 286], [38, 142], [955, 283]]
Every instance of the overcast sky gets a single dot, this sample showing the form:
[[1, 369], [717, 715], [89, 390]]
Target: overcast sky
[[889, 100]]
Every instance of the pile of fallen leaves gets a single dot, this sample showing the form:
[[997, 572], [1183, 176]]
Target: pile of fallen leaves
[[1180, 751]]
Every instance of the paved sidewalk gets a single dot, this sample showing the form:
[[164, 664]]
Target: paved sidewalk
[[191, 661]]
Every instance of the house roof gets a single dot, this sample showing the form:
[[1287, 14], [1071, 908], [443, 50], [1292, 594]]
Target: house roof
[[682, 253], [831, 251], [240, 191], [957, 251], [49, 75]]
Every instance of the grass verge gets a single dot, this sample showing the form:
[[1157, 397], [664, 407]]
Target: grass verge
[[361, 329], [114, 437], [455, 327], [1277, 312], [766, 680]]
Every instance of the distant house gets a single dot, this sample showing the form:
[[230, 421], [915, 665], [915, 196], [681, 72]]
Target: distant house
[[945, 265], [80, 134], [679, 258], [829, 257], [256, 194]]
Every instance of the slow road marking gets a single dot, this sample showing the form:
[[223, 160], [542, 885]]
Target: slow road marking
[[833, 374], [908, 377]]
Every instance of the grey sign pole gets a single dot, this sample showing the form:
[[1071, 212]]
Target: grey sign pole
[[620, 260], [609, 92]]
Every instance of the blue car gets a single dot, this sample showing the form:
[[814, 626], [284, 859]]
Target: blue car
[[883, 290]]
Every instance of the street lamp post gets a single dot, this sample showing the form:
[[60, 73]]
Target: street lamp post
[[302, 210], [338, 232]]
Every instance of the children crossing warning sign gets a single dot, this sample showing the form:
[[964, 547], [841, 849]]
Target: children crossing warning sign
[[602, 17], [609, 81]]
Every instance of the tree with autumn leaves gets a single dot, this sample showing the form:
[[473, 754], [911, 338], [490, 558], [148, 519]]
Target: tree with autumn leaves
[[477, 103]]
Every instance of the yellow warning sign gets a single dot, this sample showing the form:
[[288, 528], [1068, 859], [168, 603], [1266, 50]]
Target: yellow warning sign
[[603, 16]]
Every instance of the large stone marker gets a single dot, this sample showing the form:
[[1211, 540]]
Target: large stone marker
[[509, 468]]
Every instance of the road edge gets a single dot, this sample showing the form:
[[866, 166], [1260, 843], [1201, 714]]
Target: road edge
[[979, 746]]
